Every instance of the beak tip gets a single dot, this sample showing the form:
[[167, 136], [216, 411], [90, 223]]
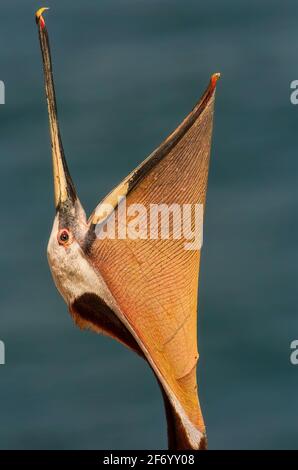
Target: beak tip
[[214, 78], [39, 18]]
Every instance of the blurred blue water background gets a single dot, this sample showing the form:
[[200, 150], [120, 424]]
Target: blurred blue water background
[[126, 73]]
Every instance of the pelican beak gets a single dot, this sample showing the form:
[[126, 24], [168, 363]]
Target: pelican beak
[[64, 189], [214, 78], [39, 17]]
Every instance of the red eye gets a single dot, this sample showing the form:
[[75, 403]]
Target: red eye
[[63, 237]]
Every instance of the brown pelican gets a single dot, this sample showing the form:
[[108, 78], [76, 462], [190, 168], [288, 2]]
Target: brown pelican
[[141, 292]]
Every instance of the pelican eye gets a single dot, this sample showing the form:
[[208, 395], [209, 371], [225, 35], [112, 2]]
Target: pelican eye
[[63, 237]]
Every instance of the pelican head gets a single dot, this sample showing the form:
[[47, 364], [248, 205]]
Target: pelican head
[[142, 293]]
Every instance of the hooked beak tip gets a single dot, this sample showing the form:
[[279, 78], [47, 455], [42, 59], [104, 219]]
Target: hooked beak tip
[[214, 78], [39, 18]]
